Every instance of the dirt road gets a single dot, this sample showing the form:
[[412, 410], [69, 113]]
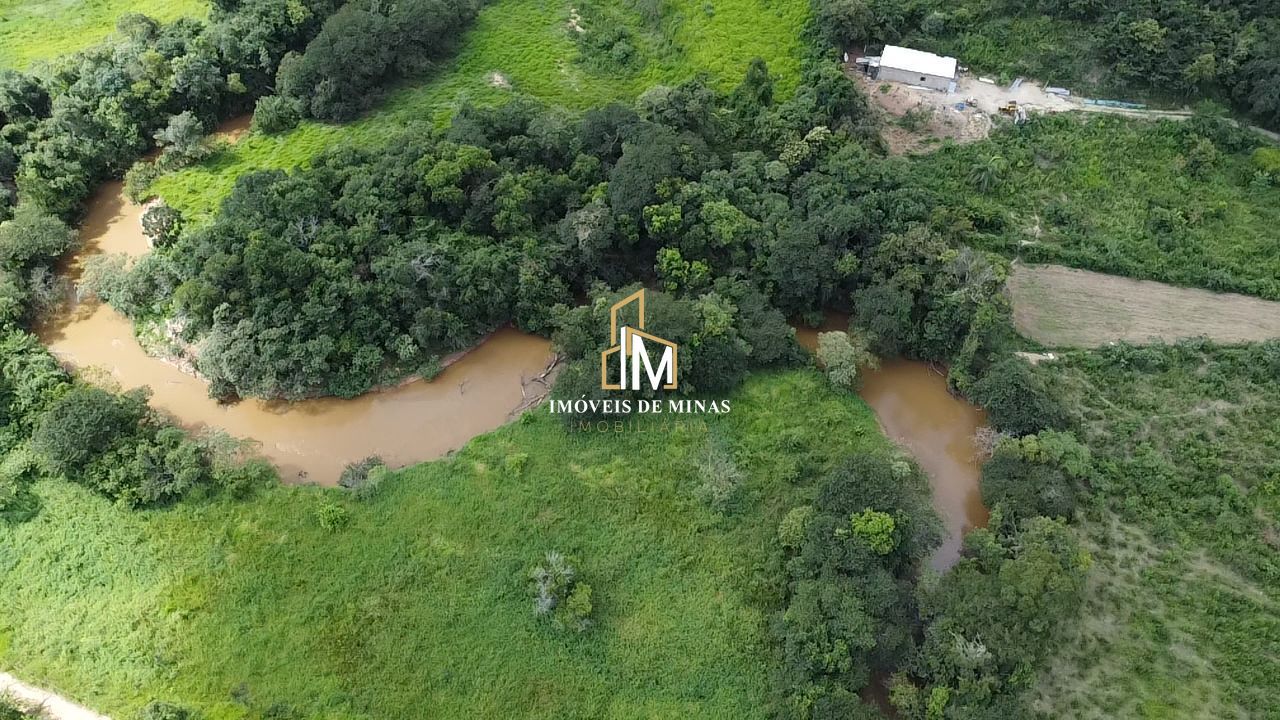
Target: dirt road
[[921, 118], [54, 707], [1065, 307]]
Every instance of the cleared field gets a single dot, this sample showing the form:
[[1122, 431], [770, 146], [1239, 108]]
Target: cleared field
[[32, 30], [527, 46], [1060, 307]]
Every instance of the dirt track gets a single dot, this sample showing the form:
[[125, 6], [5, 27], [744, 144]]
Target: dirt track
[[1064, 307], [54, 707], [968, 114]]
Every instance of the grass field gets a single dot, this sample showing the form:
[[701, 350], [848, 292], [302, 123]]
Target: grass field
[[1064, 307], [529, 43], [32, 30], [418, 605], [1129, 197], [1182, 614]]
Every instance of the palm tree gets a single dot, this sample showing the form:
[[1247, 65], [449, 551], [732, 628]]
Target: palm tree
[[986, 173]]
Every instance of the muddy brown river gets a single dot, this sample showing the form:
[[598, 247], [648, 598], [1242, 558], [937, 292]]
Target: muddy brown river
[[917, 411], [311, 440]]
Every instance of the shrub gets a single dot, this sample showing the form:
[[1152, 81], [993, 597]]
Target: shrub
[[157, 710], [183, 138], [276, 114], [138, 179], [1267, 160], [841, 355], [360, 476], [1025, 488], [240, 478], [721, 479], [331, 515], [9, 711], [515, 463], [559, 595], [161, 224], [794, 526], [1017, 400], [82, 424], [33, 237], [876, 529]]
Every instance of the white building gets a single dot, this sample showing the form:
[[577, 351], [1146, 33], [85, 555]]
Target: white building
[[917, 67]]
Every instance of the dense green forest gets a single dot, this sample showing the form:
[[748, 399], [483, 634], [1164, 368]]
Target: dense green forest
[[772, 561], [692, 191], [1174, 51]]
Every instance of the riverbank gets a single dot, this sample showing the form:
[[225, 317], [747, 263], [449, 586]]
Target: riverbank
[[916, 410], [310, 440]]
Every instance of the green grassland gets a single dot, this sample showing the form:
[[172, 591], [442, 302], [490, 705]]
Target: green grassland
[[1183, 609], [530, 44], [1178, 202], [32, 30], [418, 605]]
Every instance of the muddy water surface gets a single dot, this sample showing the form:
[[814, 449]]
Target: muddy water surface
[[312, 440], [917, 411]]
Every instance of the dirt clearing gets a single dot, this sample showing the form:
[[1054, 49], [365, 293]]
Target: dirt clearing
[[1064, 307], [918, 119]]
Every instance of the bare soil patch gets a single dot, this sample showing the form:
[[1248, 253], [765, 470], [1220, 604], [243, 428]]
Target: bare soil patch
[[918, 119], [1060, 306]]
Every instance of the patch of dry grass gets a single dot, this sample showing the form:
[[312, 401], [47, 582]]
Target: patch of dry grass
[[1063, 307]]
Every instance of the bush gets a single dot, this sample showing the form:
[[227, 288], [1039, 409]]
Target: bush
[[721, 479], [17, 470], [875, 529], [559, 595], [157, 710], [841, 355], [1017, 400], [363, 475], [83, 424], [33, 237], [161, 224], [240, 478], [182, 138], [794, 526], [331, 515], [1026, 489], [9, 711], [276, 114], [138, 179], [1267, 160], [364, 43]]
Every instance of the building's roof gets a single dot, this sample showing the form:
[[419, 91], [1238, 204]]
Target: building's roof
[[917, 61]]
